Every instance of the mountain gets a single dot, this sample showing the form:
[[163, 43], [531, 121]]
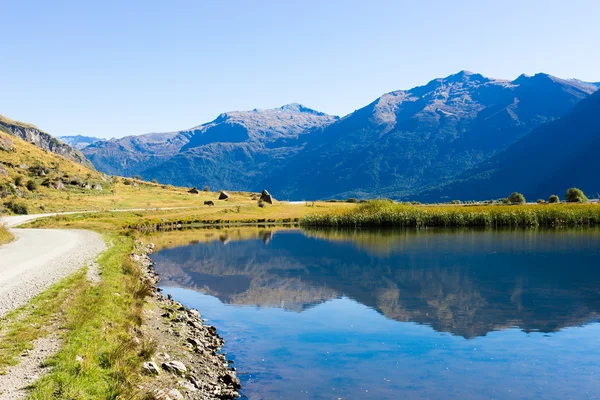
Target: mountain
[[43, 140], [406, 141], [402, 144], [234, 151], [549, 160], [79, 142]]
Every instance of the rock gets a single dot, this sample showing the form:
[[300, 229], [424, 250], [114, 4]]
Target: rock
[[6, 144], [175, 394], [3, 171], [266, 197], [58, 185], [194, 313], [195, 343], [150, 368], [209, 203], [193, 190], [98, 187], [230, 379], [224, 195], [79, 359], [86, 186], [187, 386], [176, 367]]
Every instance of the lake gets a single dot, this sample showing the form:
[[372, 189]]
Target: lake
[[405, 314]]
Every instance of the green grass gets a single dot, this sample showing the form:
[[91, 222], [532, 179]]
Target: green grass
[[100, 326], [21, 327], [377, 213]]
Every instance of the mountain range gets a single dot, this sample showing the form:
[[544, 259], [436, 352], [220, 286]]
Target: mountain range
[[403, 145], [464, 136]]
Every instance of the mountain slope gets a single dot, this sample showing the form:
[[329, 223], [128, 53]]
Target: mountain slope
[[232, 151], [41, 139], [408, 140], [549, 160]]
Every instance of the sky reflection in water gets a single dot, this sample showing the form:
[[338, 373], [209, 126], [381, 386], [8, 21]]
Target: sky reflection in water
[[386, 315]]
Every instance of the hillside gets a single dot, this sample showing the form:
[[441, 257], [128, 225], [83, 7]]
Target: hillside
[[409, 140], [233, 151], [41, 139], [549, 160], [399, 145]]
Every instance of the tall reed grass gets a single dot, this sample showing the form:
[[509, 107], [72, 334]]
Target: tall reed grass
[[376, 213]]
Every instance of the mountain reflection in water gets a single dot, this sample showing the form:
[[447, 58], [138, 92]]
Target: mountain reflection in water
[[467, 283]]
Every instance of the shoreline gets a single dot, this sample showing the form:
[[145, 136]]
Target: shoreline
[[186, 362]]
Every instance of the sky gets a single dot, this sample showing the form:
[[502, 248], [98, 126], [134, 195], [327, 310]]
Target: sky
[[116, 68]]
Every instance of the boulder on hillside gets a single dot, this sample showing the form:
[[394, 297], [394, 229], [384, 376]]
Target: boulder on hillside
[[98, 187], [3, 171], [223, 195], [58, 185], [193, 190], [266, 197], [6, 144]]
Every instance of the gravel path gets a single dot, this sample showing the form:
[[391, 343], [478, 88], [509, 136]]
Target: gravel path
[[40, 257]]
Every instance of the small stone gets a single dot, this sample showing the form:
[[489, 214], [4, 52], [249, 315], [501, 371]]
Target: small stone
[[187, 386], [176, 367], [175, 394], [150, 368]]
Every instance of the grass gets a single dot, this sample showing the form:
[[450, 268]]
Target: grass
[[5, 235], [99, 357], [385, 213], [242, 210], [21, 327]]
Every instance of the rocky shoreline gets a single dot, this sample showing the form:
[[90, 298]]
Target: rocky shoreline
[[183, 352]]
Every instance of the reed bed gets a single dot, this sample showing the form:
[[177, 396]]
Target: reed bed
[[385, 213]]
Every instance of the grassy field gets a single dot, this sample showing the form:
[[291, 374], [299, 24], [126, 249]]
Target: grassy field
[[383, 213], [237, 211]]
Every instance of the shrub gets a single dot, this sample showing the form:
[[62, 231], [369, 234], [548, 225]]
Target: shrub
[[127, 182], [541, 201], [206, 189], [262, 203], [516, 198], [17, 208], [19, 181], [553, 199], [154, 181], [32, 185], [352, 200], [575, 195], [137, 178]]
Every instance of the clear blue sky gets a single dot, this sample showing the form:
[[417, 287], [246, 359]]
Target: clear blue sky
[[115, 68]]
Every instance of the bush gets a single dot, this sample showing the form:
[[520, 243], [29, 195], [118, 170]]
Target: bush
[[553, 199], [20, 209], [261, 203], [516, 198], [154, 181], [541, 201], [137, 178], [352, 200], [32, 185], [19, 181], [206, 189], [575, 195], [127, 182]]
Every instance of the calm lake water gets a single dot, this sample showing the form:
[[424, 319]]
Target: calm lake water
[[399, 314]]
